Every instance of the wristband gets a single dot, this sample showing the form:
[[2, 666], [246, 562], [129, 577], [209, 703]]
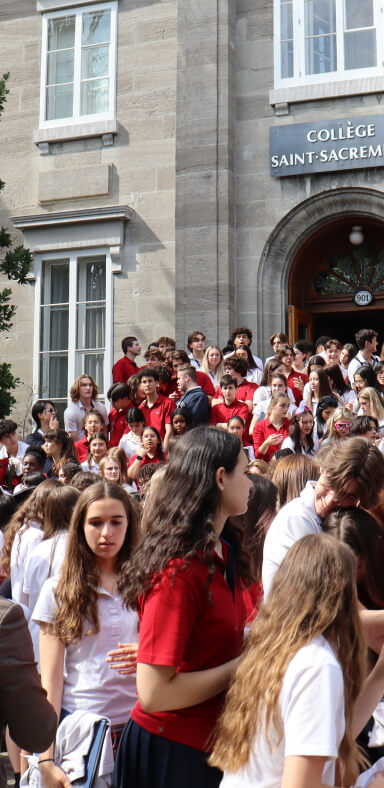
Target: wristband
[[45, 760], [139, 458]]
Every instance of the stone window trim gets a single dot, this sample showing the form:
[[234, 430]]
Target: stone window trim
[[42, 6], [74, 349], [299, 85], [278, 97], [99, 124], [88, 228]]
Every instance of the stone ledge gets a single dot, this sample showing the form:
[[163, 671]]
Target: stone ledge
[[56, 5], [44, 220], [74, 131], [326, 90]]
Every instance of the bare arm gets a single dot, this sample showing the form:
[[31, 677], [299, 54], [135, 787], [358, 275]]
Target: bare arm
[[160, 688], [52, 678], [370, 695], [302, 771], [168, 435], [373, 627]]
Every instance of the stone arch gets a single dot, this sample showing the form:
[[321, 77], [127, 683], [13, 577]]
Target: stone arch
[[290, 234]]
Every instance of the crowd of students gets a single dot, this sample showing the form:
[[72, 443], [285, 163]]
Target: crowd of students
[[202, 565]]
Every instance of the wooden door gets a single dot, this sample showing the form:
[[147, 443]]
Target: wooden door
[[299, 324]]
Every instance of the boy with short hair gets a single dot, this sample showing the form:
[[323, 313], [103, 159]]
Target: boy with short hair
[[223, 411], [121, 401], [156, 408]]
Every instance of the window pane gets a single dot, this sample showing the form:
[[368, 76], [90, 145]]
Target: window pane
[[91, 279], [360, 49], [96, 27], [53, 375], [61, 33], [286, 21], [287, 59], [60, 102], [60, 67], [55, 282], [90, 326], [320, 55], [95, 62], [94, 97], [320, 17], [91, 364], [54, 328], [358, 13]]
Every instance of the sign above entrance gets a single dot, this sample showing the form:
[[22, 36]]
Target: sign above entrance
[[363, 297], [344, 144]]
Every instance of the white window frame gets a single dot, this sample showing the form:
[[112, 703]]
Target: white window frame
[[76, 118], [299, 78], [72, 256]]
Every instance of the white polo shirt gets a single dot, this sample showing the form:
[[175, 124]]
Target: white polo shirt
[[89, 683], [296, 519]]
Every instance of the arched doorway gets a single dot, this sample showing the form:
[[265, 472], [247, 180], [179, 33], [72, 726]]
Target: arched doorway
[[300, 248], [328, 271]]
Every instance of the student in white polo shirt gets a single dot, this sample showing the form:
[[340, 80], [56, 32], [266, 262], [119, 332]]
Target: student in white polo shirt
[[88, 640]]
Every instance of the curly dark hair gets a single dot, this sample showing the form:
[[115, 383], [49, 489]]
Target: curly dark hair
[[178, 519]]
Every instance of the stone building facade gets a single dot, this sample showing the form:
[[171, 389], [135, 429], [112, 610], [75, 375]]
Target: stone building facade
[[138, 169]]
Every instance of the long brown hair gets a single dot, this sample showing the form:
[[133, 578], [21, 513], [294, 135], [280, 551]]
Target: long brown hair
[[32, 511], [178, 520], [321, 573], [67, 448], [58, 509], [76, 591]]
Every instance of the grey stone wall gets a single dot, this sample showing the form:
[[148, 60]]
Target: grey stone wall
[[262, 201]]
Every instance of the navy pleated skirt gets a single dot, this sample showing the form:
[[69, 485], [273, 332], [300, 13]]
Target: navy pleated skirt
[[145, 760]]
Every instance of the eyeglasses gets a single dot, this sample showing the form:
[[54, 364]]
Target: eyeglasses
[[49, 410], [343, 425]]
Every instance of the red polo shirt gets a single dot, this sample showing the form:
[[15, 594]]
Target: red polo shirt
[[221, 413], [117, 424], [298, 395], [244, 391], [123, 369], [263, 429], [179, 626], [159, 414], [82, 449]]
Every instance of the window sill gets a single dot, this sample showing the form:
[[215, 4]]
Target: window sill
[[56, 5], [325, 90], [99, 128]]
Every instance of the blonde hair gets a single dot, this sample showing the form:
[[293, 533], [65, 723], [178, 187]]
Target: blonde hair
[[280, 630], [339, 413], [375, 402], [219, 371], [275, 398], [117, 454]]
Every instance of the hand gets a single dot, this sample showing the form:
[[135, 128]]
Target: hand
[[274, 440], [54, 423], [298, 384], [52, 776], [175, 395], [124, 658]]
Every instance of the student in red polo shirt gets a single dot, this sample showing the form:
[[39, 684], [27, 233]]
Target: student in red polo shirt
[[295, 380], [93, 423], [223, 411], [185, 583], [126, 366], [156, 408], [269, 433], [120, 396], [151, 451], [245, 390]]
